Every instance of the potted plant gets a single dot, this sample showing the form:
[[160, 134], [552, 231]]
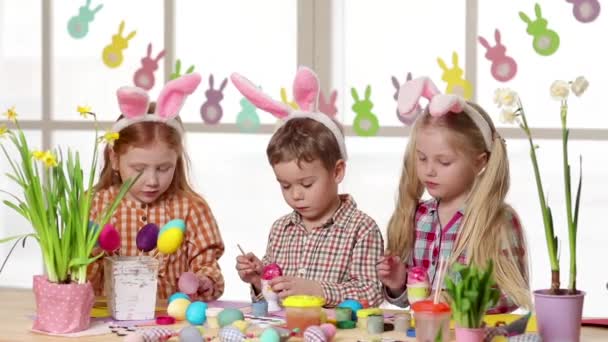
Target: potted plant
[[558, 310], [472, 292], [56, 200]]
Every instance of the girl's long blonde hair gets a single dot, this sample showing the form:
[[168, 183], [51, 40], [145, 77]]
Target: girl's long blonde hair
[[486, 230], [142, 134]]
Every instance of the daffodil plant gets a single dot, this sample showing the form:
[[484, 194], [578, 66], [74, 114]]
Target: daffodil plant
[[513, 112], [56, 200]]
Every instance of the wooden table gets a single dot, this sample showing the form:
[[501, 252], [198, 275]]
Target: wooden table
[[17, 304]]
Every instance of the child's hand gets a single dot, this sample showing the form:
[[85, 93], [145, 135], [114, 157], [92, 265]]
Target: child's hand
[[249, 268], [205, 286], [392, 274], [288, 286]]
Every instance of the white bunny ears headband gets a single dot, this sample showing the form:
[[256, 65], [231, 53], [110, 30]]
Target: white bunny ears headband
[[306, 93], [134, 101], [439, 105]]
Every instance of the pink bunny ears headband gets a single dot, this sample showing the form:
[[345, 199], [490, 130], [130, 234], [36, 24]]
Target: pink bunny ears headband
[[306, 93], [439, 105], [134, 101]]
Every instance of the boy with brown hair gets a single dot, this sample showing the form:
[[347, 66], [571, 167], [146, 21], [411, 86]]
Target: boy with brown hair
[[326, 246]]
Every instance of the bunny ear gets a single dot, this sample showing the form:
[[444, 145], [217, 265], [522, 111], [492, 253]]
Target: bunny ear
[[132, 101], [483, 42], [150, 50], [497, 36], [333, 96], [445, 103], [410, 93], [160, 55], [121, 27], [258, 98], [172, 97], [408, 77], [306, 89], [395, 82], [223, 85]]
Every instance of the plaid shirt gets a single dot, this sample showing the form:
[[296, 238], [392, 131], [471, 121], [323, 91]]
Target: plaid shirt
[[341, 254], [199, 253], [434, 242]]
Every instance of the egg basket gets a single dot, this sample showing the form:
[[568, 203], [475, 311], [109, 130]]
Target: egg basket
[[130, 286]]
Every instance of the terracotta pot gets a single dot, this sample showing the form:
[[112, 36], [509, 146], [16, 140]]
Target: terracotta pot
[[62, 308], [559, 316]]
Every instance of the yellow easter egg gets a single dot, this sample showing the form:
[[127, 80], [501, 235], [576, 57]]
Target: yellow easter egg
[[241, 325], [177, 308], [170, 240]]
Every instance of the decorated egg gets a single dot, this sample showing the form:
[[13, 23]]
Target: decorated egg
[[196, 313], [231, 334], [190, 334], [177, 308], [170, 240], [177, 223], [271, 271], [314, 333], [178, 295], [270, 335], [353, 305], [109, 238], [188, 283], [228, 316], [146, 237], [329, 330], [241, 325], [135, 337]]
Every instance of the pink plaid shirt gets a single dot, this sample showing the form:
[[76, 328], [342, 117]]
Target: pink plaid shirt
[[341, 254], [434, 242]]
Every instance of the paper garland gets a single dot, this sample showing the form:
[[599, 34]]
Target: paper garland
[[144, 76], [112, 53], [545, 41], [456, 84], [366, 123], [78, 26], [504, 67], [211, 110]]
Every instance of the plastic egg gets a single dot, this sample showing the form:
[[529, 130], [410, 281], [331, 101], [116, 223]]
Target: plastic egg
[[177, 223], [196, 313], [146, 237], [353, 305], [270, 335], [329, 330], [177, 308], [109, 238], [178, 295], [188, 283], [231, 334], [190, 334], [170, 240], [227, 316]]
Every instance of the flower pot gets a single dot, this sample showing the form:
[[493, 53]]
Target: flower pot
[[559, 316], [62, 308], [469, 334], [130, 286]]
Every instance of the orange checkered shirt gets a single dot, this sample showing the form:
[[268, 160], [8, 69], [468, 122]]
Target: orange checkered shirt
[[200, 251]]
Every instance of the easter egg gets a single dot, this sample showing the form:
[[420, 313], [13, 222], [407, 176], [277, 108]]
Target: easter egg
[[196, 313], [177, 308], [231, 334], [178, 295], [109, 238], [228, 316], [170, 240], [188, 283], [135, 337], [329, 330], [314, 334], [146, 237], [190, 334], [177, 223], [241, 325], [270, 335], [271, 271], [353, 305]]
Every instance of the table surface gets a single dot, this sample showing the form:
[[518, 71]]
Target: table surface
[[17, 305]]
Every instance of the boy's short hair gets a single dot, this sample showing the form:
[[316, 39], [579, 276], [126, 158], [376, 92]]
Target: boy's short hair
[[304, 139]]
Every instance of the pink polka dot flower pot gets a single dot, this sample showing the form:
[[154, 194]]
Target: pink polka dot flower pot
[[62, 308]]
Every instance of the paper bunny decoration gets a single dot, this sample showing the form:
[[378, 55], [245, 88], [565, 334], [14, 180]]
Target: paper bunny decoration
[[306, 94], [144, 76], [78, 26], [504, 67], [112, 53], [546, 41], [134, 101], [439, 104]]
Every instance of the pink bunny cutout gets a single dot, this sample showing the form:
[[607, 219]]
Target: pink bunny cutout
[[134, 101], [504, 67], [328, 107], [144, 76], [306, 92], [438, 105]]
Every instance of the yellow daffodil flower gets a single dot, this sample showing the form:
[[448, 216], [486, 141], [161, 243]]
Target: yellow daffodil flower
[[84, 110], [49, 159], [109, 137], [11, 114], [3, 130]]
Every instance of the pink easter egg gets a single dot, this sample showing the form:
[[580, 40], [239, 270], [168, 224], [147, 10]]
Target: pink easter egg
[[417, 274], [329, 330], [271, 271], [109, 238], [188, 283]]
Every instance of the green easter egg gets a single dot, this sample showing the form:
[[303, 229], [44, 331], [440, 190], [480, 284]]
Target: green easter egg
[[177, 223], [270, 335], [228, 316]]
